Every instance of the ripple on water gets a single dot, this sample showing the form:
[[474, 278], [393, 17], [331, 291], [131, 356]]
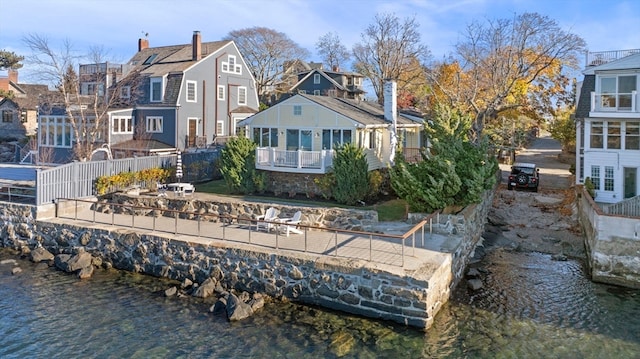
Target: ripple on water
[[530, 306]]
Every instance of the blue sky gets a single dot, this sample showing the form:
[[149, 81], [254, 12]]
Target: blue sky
[[116, 25]]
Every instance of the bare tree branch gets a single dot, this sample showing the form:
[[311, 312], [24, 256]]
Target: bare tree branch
[[265, 51]]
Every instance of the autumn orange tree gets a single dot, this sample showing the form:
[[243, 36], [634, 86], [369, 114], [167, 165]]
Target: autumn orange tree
[[507, 65]]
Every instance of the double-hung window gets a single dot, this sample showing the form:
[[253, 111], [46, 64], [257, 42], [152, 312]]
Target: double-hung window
[[242, 95], [595, 177], [154, 124], [608, 178], [297, 110], [316, 79], [220, 93], [156, 89], [192, 91]]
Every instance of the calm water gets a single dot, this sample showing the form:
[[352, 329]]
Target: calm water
[[531, 307]]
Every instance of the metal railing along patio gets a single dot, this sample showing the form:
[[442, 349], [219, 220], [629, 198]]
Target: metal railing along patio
[[369, 246], [19, 194]]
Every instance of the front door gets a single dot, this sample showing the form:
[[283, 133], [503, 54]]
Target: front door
[[193, 132], [630, 185]]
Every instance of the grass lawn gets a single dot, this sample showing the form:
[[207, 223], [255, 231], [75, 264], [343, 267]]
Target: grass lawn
[[388, 210]]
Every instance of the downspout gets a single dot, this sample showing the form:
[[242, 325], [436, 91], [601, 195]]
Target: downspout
[[204, 109], [229, 118], [217, 76]]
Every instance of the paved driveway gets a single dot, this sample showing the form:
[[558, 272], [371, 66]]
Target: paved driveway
[[544, 152]]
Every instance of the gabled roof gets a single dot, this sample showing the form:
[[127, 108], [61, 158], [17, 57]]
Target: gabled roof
[[363, 112], [159, 61], [31, 96], [630, 62], [326, 75], [323, 74]]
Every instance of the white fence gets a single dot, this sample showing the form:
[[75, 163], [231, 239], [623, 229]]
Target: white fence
[[76, 179], [630, 207]]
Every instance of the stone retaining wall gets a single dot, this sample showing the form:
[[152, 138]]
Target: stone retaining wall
[[324, 217], [612, 244], [355, 286]]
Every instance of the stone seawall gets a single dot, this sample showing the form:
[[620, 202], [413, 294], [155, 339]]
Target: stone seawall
[[412, 297], [612, 244]]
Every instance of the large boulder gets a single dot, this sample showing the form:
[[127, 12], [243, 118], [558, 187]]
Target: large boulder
[[206, 289], [41, 254], [80, 261], [237, 309]]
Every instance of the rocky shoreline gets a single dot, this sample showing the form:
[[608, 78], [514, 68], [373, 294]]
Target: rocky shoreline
[[235, 305]]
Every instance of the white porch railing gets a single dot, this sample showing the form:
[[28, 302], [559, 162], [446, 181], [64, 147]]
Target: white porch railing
[[615, 102], [272, 159]]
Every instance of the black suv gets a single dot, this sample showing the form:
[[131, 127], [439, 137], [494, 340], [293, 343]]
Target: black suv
[[524, 175]]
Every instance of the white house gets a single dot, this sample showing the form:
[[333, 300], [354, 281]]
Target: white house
[[298, 135], [608, 125]]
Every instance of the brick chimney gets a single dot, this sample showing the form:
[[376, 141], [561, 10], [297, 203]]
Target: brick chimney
[[197, 46], [143, 44], [12, 76]]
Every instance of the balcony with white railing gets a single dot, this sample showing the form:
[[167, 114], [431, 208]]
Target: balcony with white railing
[[619, 103], [273, 159], [602, 57]]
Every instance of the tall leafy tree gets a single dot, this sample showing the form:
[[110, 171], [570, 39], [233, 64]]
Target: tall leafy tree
[[351, 174], [332, 51], [387, 50], [508, 64], [266, 51]]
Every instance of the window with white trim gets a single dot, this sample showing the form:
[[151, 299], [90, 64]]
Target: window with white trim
[[55, 131], [230, 66], [608, 178], [632, 136], [613, 135], [192, 88], [221, 93], [597, 133], [121, 125], [242, 95], [154, 124], [155, 89], [316, 79], [297, 110], [595, 177], [316, 92], [265, 136], [334, 137], [219, 128]]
